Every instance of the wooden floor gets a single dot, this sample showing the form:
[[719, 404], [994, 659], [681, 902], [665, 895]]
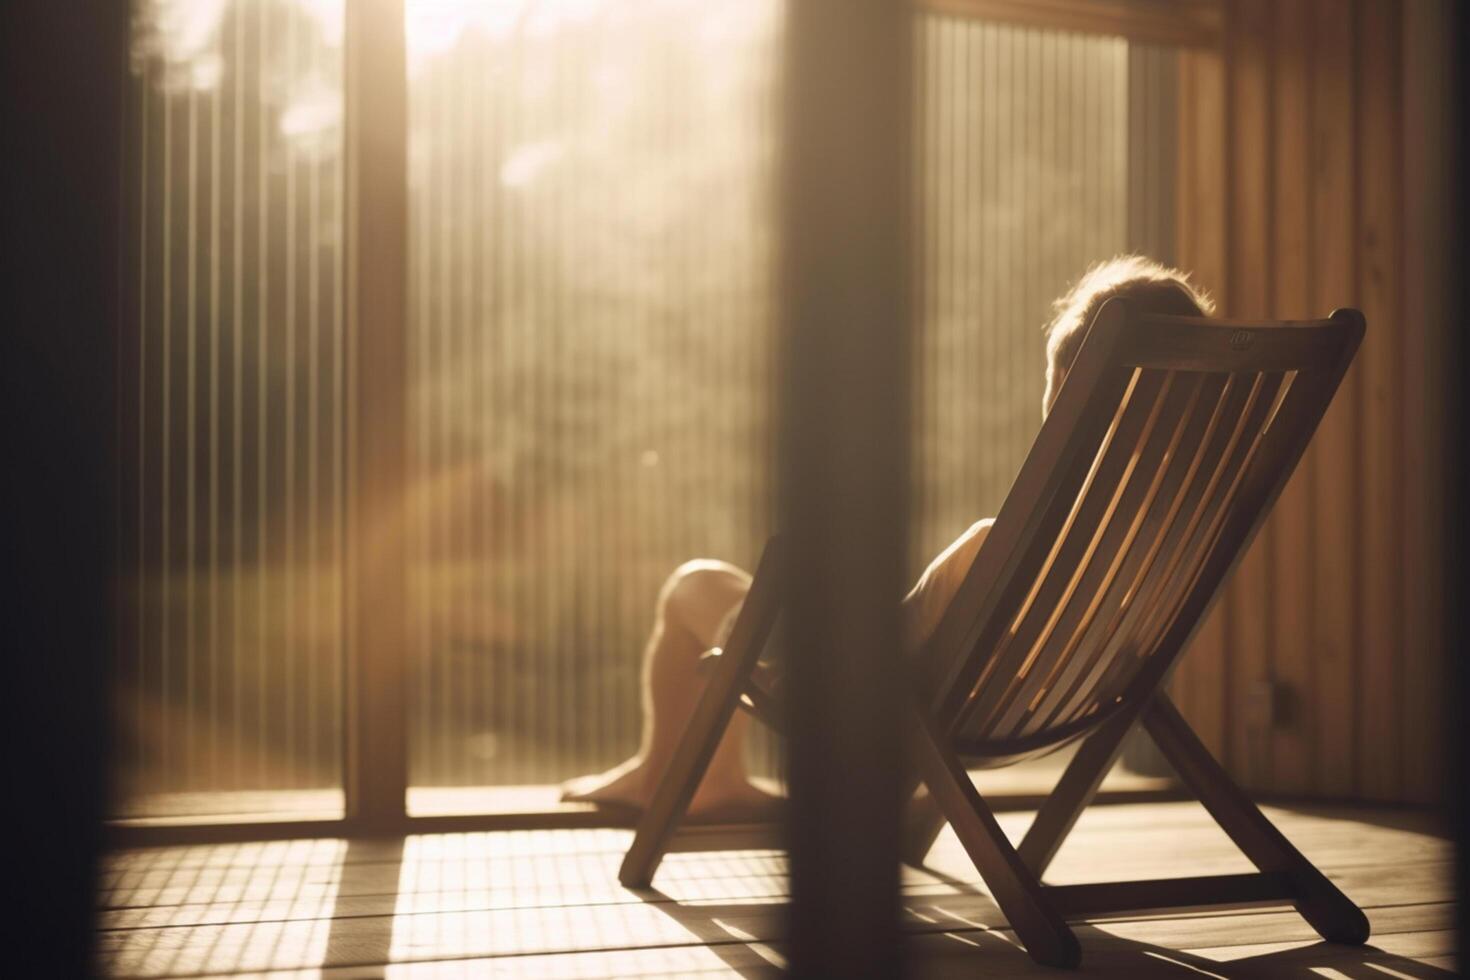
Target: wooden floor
[[547, 904]]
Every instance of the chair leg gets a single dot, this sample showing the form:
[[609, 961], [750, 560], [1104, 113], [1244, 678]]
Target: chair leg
[[922, 822], [707, 725], [686, 769], [1017, 891], [1331, 913], [1073, 792]]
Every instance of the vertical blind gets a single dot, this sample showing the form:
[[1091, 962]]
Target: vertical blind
[[591, 262], [592, 201], [591, 353], [228, 686]]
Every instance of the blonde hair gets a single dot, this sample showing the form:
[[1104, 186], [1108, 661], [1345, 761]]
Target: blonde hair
[[1155, 288]]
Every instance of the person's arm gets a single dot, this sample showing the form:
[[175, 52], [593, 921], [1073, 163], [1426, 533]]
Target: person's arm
[[931, 595]]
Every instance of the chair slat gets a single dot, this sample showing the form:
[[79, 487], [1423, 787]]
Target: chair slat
[[1053, 524], [1059, 584], [1200, 445], [1014, 654], [1164, 588], [1115, 541], [1042, 498], [1151, 633]]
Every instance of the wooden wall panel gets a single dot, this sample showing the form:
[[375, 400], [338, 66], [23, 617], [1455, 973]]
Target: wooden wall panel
[[1248, 142], [1202, 206], [1381, 520], [1428, 109], [1291, 742], [1334, 555], [1316, 678]]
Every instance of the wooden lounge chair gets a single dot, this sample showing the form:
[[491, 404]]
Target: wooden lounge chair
[[1162, 456]]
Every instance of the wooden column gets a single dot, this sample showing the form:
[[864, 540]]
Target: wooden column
[[376, 160], [61, 84], [844, 456]]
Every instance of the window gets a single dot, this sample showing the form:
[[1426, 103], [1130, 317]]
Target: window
[[592, 242]]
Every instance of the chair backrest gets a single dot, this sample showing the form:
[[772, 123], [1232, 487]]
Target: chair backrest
[[1164, 451]]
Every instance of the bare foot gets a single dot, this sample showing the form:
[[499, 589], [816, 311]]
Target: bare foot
[[622, 785], [731, 800]]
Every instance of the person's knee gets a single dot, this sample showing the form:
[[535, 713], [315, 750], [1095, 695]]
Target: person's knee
[[698, 595]]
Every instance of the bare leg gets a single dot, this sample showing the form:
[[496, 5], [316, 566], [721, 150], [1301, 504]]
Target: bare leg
[[691, 605]]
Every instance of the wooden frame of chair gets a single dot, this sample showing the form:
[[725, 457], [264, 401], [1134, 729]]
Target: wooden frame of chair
[[1169, 443]]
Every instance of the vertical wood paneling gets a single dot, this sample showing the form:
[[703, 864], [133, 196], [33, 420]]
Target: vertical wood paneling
[[1379, 192], [1335, 555], [1326, 628], [1249, 598], [1201, 220], [1427, 120], [1291, 738]]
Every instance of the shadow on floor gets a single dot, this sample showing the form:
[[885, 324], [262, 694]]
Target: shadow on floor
[[995, 953], [943, 944], [367, 867]]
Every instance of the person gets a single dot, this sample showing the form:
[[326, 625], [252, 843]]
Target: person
[[698, 603]]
